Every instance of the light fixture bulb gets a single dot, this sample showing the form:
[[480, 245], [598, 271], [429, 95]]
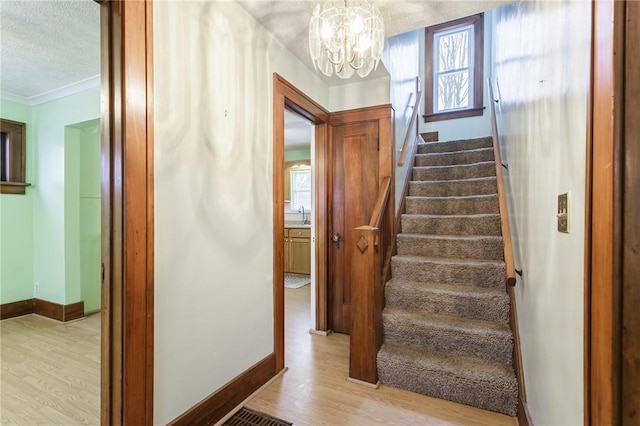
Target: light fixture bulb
[[346, 37]]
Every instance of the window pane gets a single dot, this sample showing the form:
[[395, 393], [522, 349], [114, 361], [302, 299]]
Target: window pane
[[300, 199], [301, 189], [453, 51], [453, 90], [301, 181]]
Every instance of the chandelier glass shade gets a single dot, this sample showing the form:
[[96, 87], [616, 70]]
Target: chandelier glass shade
[[346, 37]]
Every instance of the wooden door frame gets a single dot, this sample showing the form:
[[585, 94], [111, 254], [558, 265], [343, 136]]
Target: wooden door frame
[[285, 95], [612, 388], [127, 212]]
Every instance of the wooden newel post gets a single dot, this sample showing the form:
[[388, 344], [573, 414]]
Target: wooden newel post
[[366, 305]]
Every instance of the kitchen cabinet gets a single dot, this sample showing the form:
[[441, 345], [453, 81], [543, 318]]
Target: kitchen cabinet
[[297, 250]]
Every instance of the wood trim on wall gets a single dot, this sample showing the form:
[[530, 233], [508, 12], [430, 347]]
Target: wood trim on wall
[[352, 116], [286, 95], [524, 418], [478, 22], [57, 311], [630, 357], [127, 250], [138, 201], [111, 220], [16, 309], [217, 405], [430, 136], [603, 239], [45, 308]]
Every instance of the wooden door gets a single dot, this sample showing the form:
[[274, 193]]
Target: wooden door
[[354, 184]]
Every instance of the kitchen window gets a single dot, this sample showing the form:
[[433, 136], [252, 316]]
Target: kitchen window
[[453, 69], [301, 189]]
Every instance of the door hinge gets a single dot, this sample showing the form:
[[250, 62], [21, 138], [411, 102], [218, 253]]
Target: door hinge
[[378, 142], [102, 267]]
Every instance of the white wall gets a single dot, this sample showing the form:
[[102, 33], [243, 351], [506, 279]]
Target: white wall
[[470, 127], [541, 65], [213, 71], [359, 94], [401, 57]]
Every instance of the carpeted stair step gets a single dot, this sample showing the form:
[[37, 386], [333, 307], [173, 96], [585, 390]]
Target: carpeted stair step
[[475, 204], [458, 145], [481, 224], [472, 302], [466, 380], [465, 171], [451, 246], [454, 158], [487, 340], [455, 188], [449, 271]]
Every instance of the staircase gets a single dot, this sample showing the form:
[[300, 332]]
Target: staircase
[[446, 320]]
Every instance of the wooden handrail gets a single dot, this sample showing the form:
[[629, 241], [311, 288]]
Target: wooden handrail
[[504, 213], [373, 246], [412, 124], [381, 201]]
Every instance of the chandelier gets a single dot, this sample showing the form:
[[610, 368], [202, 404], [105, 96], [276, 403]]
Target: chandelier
[[346, 37]]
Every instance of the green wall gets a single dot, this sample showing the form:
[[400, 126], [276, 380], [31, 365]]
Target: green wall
[[16, 222], [90, 208], [297, 154], [44, 234], [57, 204]]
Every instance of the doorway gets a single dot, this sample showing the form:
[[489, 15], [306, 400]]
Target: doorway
[[299, 215], [287, 97], [82, 141]]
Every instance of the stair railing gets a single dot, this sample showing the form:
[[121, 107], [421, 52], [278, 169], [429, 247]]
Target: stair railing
[[369, 266], [504, 213], [408, 146]]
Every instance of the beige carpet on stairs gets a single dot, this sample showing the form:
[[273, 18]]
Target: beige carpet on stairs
[[446, 320]]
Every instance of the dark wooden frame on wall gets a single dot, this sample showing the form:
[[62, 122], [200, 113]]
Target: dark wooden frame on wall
[[286, 96], [612, 257], [127, 212], [16, 132], [478, 51]]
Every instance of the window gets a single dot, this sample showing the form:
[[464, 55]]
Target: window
[[453, 69], [12, 157], [301, 189]]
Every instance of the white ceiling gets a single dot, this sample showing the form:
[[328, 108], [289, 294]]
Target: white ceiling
[[288, 20], [47, 45], [297, 131]]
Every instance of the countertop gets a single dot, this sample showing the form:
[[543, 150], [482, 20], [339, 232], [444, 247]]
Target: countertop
[[298, 225]]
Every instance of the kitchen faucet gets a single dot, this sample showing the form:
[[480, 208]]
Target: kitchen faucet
[[304, 219]]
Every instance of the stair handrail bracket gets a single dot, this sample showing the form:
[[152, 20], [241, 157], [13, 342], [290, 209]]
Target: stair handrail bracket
[[510, 270], [373, 244]]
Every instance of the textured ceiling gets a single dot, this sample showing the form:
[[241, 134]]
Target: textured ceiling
[[46, 45], [288, 20]]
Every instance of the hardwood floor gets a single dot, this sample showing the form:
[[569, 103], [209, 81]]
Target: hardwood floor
[[50, 372], [51, 376], [314, 391]]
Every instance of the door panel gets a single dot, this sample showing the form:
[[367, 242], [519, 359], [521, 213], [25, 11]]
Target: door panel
[[354, 190]]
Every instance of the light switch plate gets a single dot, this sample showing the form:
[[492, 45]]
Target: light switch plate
[[563, 213]]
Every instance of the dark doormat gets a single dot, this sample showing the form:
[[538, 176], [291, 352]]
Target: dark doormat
[[248, 417]]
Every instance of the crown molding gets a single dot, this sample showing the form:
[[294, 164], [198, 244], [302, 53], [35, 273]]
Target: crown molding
[[52, 95]]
